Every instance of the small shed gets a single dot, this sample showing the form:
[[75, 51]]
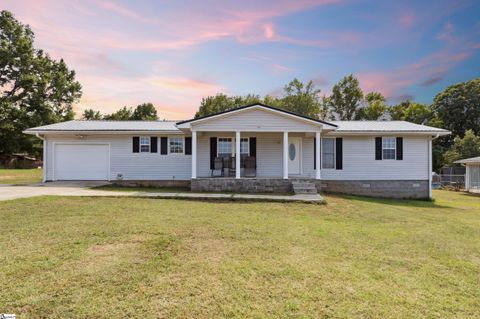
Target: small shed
[[472, 173]]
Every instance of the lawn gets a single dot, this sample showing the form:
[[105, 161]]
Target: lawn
[[20, 176], [65, 257]]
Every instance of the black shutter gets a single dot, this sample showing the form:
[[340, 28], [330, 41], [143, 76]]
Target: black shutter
[[253, 148], [339, 153], [164, 145], [399, 148], [213, 151], [314, 153], [378, 148], [153, 144], [188, 145], [136, 144]]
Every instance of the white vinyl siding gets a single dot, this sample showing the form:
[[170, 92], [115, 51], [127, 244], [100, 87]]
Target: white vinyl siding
[[256, 120], [132, 166]]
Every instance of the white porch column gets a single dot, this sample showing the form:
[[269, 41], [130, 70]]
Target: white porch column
[[194, 154], [430, 168], [237, 154], [317, 155], [285, 155]]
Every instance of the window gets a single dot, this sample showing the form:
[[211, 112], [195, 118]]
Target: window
[[328, 153], [224, 147], [176, 145], [244, 146], [389, 148], [145, 144]]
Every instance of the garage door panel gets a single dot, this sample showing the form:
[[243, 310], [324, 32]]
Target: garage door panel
[[81, 162]]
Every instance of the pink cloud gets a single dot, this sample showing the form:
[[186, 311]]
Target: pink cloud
[[407, 19]]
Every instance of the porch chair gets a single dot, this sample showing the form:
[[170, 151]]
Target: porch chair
[[217, 167], [250, 169]]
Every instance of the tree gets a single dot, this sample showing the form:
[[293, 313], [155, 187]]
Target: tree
[[90, 114], [302, 99], [124, 114], [298, 97], [458, 107], [35, 89], [375, 107], [346, 98], [145, 112], [414, 112], [468, 146]]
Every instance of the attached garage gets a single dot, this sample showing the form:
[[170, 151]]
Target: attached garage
[[81, 161]]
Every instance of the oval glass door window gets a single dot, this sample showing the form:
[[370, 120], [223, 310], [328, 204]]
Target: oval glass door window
[[292, 152]]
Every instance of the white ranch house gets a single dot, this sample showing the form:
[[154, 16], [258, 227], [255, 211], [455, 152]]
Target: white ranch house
[[376, 158]]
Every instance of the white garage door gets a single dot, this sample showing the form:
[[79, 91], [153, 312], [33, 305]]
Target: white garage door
[[81, 162]]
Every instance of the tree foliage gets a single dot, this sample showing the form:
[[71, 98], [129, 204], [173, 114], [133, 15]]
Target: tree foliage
[[346, 99], [458, 107], [375, 107], [142, 112], [414, 112], [463, 147], [298, 97], [35, 89]]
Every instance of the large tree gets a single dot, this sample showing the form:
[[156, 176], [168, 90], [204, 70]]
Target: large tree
[[145, 112], [298, 97], [346, 99], [375, 107], [468, 146], [414, 112], [35, 89], [458, 107], [142, 112]]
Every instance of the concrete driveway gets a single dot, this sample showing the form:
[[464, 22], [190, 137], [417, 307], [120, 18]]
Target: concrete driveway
[[8, 192]]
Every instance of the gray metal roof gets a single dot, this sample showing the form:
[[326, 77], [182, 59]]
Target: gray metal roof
[[169, 126], [85, 126], [385, 126], [469, 160]]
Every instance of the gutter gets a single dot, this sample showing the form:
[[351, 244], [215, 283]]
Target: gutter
[[44, 160]]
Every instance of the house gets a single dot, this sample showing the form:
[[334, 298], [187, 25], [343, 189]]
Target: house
[[472, 173], [276, 147]]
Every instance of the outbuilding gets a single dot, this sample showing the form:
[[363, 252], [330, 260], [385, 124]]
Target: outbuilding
[[472, 173]]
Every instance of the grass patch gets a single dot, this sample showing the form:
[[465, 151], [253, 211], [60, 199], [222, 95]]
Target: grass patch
[[139, 257], [21, 176]]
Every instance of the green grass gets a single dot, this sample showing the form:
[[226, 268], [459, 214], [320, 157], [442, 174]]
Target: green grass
[[20, 176], [65, 257], [142, 189]]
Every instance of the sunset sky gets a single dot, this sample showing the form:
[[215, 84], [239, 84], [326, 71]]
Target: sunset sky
[[173, 53]]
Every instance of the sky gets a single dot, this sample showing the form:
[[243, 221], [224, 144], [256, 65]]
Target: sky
[[174, 53]]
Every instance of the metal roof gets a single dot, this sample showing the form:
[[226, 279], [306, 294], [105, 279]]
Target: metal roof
[[386, 126], [469, 160], [102, 126]]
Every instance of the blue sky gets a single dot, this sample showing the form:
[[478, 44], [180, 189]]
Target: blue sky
[[173, 53]]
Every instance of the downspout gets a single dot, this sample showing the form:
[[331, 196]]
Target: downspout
[[430, 164], [44, 179]]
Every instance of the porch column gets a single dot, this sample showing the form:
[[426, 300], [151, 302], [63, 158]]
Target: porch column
[[237, 154], [194, 154], [285, 155], [317, 155]]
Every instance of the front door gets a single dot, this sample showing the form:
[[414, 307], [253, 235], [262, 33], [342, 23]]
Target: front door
[[294, 155]]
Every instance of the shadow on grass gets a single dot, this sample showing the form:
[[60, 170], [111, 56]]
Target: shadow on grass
[[420, 203]]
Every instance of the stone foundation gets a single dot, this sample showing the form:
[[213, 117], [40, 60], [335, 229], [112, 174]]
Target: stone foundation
[[415, 189], [153, 183], [246, 185]]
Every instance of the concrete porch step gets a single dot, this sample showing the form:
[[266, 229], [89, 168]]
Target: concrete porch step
[[304, 188]]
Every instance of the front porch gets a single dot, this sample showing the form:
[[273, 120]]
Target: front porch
[[250, 184]]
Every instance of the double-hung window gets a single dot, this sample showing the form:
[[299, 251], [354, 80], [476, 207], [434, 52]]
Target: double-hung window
[[389, 147], [145, 144], [176, 145], [328, 153], [224, 147]]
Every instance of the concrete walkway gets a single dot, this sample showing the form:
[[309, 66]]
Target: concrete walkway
[[8, 192]]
